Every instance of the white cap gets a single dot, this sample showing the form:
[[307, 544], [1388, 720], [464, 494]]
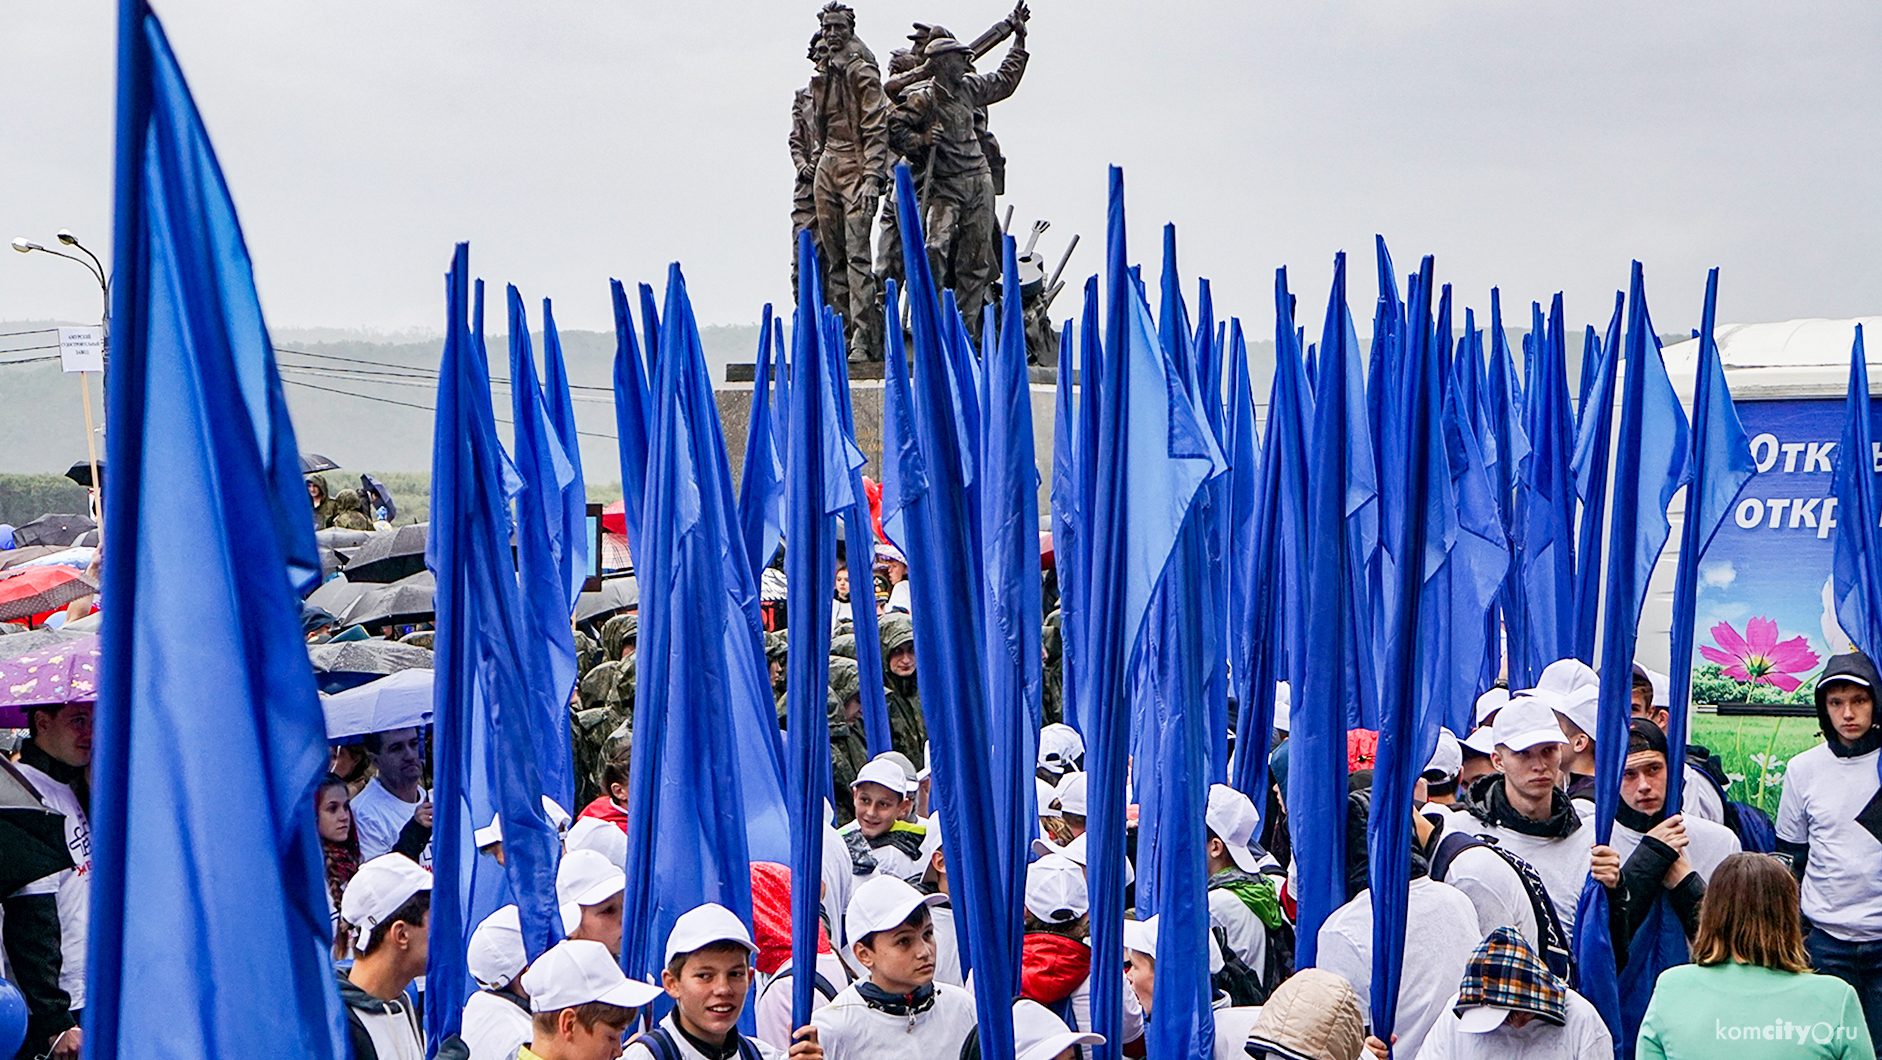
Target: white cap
[[1141, 935], [1482, 739], [377, 891], [881, 903], [1490, 702], [1060, 747], [1530, 720], [1283, 702], [496, 955], [552, 812], [930, 840], [1482, 1019], [490, 834], [1055, 889], [1565, 675], [1075, 851], [585, 877], [576, 972], [1045, 797], [602, 837], [1446, 759], [1662, 693], [1233, 819], [1583, 707], [911, 778], [1071, 793], [1039, 1034], [927, 762], [884, 772], [703, 925]]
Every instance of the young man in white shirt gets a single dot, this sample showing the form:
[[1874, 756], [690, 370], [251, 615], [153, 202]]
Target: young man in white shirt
[[1674, 855], [580, 1003], [387, 908], [393, 800], [1240, 895], [1525, 812], [1829, 822], [708, 975], [590, 889], [879, 840], [899, 1011], [1701, 796], [55, 760]]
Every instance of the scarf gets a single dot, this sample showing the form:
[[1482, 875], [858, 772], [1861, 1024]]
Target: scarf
[[1491, 805], [896, 1004], [342, 863], [73, 777]]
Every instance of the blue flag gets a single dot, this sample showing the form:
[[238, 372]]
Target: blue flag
[[1067, 520], [200, 696], [633, 416], [1076, 619], [1254, 576], [859, 537], [573, 555], [761, 484], [1651, 466], [1858, 565], [1592, 438], [1546, 499], [1505, 400], [544, 537]]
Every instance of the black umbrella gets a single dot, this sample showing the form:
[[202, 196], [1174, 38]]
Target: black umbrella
[[337, 545], [389, 555], [402, 602], [32, 837], [52, 530], [335, 595], [81, 472], [314, 463], [367, 657], [614, 594]]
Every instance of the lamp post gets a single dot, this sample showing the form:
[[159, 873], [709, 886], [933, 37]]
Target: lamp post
[[97, 270]]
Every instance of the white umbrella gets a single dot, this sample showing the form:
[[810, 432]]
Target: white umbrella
[[399, 701]]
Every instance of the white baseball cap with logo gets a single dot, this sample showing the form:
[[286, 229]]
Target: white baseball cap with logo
[[1489, 703], [882, 903], [577, 972], [1446, 759], [884, 772], [377, 891], [703, 925], [1529, 720], [1039, 1034], [585, 877], [496, 955], [1055, 889], [1232, 818]]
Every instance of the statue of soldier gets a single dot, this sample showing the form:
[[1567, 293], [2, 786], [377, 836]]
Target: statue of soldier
[[937, 120], [852, 167], [805, 148]]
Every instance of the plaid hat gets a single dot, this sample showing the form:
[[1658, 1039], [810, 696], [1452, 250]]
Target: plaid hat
[[1503, 975]]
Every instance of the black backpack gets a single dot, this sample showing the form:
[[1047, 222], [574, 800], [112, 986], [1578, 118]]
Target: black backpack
[[659, 1042], [1245, 985], [1556, 949]]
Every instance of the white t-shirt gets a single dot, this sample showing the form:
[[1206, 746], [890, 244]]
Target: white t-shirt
[[1440, 933], [73, 885], [1707, 844], [637, 1051], [772, 1009], [1842, 892], [850, 1030], [1582, 1036], [494, 1028], [379, 816], [947, 947], [899, 598], [1701, 799], [1561, 864], [1493, 886]]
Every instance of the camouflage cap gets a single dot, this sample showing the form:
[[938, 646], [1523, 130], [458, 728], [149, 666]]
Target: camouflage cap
[[897, 631]]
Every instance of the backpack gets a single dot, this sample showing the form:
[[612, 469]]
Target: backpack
[[1556, 949], [1245, 985], [1752, 826], [659, 1042]]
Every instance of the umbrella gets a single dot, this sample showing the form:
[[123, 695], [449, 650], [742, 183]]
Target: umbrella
[[614, 552], [53, 676], [314, 463], [614, 518], [344, 664], [53, 530], [400, 701], [14, 645], [17, 556], [337, 594], [36, 590], [614, 594], [405, 600], [81, 472], [78, 557], [389, 555], [337, 545], [32, 837]]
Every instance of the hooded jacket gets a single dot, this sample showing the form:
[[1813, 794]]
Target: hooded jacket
[[1314, 1015], [849, 751], [1854, 667], [381, 1030], [325, 508], [908, 732]]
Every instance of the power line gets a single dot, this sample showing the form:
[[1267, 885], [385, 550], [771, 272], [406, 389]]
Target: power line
[[29, 349], [431, 372], [30, 360], [411, 405], [30, 331], [394, 379]]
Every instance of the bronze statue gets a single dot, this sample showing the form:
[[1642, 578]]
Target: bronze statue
[[806, 146], [851, 124], [939, 124]]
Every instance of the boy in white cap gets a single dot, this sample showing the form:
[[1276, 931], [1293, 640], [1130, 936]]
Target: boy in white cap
[[1243, 903], [1038, 1034], [1055, 957], [1072, 803], [1524, 810], [1438, 782], [581, 1003], [880, 842], [708, 975], [899, 1011], [496, 1019], [1061, 751], [387, 907], [1702, 797], [589, 888]]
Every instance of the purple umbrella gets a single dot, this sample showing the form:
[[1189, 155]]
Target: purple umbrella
[[53, 676]]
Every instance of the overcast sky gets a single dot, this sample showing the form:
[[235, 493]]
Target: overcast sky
[[1539, 146]]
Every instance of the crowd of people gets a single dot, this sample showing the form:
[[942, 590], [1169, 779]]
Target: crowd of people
[[1781, 947]]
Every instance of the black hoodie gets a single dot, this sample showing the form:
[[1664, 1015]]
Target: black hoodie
[[1854, 667]]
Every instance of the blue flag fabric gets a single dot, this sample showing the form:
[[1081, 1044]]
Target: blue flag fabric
[[703, 703], [945, 590], [575, 554], [1651, 466], [482, 695], [1254, 575], [761, 484], [1067, 520], [1546, 500], [1858, 563], [1077, 621], [1506, 400], [1592, 438], [544, 539], [204, 686], [859, 538], [633, 416]]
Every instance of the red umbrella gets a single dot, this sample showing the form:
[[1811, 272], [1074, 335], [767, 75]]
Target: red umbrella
[[27, 591], [614, 517]]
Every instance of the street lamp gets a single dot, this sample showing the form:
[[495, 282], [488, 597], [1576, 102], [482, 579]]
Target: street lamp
[[97, 270]]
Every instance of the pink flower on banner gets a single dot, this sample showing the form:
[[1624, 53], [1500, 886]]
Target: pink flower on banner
[[1758, 657]]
